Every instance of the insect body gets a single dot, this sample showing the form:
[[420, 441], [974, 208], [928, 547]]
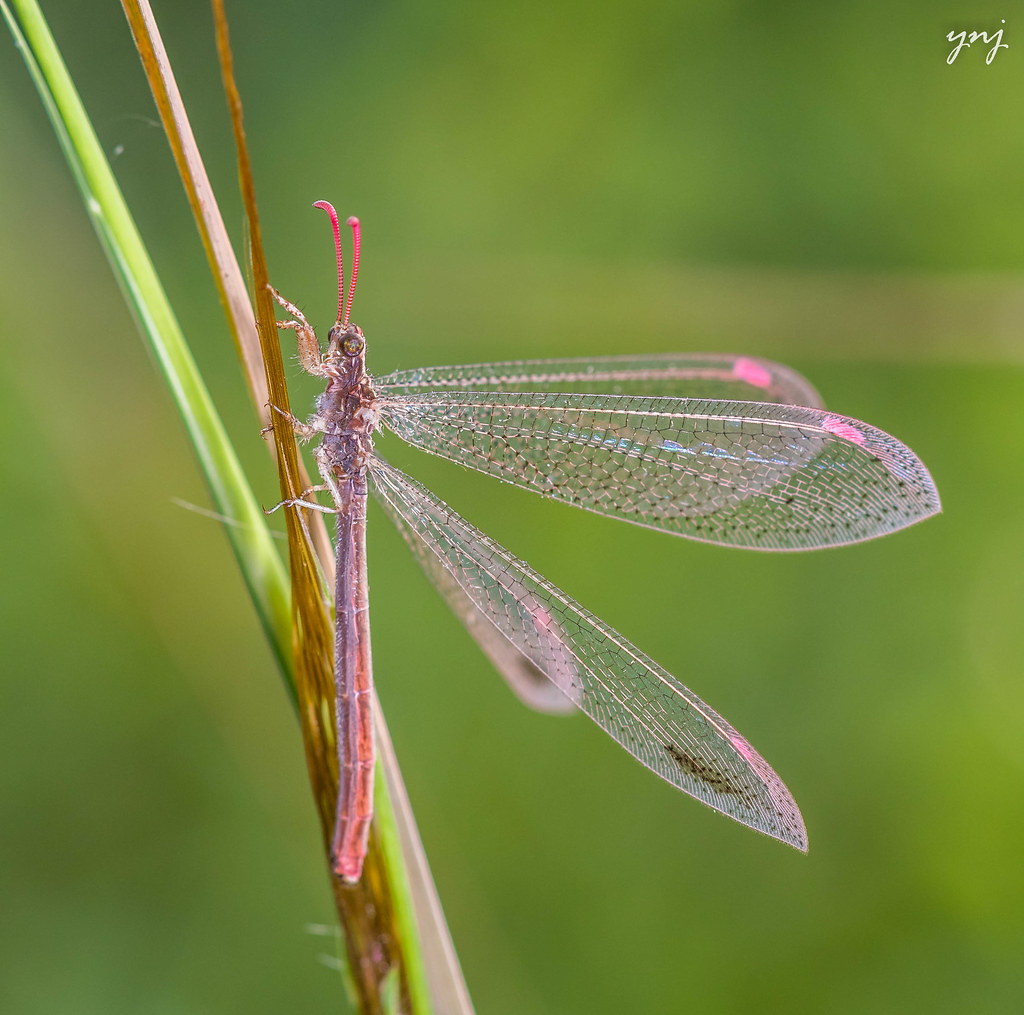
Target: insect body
[[749, 458], [346, 418]]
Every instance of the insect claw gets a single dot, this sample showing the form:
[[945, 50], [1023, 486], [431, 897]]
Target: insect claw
[[299, 502], [300, 317]]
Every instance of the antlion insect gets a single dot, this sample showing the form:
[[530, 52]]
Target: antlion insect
[[747, 458]]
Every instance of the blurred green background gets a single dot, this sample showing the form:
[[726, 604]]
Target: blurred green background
[[811, 183]]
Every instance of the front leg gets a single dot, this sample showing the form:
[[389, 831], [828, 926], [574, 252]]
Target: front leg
[[310, 355], [304, 431]]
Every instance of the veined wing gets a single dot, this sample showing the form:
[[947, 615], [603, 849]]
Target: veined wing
[[693, 375], [642, 706], [752, 474], [527, 682]]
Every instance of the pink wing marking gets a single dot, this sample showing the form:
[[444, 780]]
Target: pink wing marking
[[751, 372], [839, 427], [742, 746]]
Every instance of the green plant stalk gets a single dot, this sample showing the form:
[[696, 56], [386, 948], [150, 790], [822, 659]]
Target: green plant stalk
[[401, 895], [262, 569]]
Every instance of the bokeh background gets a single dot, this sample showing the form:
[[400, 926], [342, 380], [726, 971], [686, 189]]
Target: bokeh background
[[811, 183]]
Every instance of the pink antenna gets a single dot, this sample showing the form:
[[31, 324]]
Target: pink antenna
[[329, 208], [354, 223]]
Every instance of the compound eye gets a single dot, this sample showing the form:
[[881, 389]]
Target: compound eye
[[353, 345]]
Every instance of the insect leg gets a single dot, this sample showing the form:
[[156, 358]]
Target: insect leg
[[312, 505], [310, 355], [304, 430]]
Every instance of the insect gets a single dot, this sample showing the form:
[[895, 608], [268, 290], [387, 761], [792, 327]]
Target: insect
[[748, 458]]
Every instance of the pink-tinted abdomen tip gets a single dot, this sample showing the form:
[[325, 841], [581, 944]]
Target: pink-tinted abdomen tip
[[352, 221], [752, 372], [349, 869]]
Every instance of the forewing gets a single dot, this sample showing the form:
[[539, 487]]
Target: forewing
[[639, 704], [693, 375], [751, 474]]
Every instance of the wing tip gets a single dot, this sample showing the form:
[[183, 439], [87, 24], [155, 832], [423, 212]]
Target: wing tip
[[788, 827], [781, 818], [798, 838]]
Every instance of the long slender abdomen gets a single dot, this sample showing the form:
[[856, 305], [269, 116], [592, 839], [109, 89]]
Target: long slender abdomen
[[353, 669]]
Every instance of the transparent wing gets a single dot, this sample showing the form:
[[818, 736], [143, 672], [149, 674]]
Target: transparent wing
[[654, 717], [526, 681], [695, 375], [752, 474]]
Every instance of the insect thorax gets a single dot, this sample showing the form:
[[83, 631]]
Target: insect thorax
[[347, 413]]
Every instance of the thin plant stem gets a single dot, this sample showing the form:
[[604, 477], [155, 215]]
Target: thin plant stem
[[401, 986], [250, 538]]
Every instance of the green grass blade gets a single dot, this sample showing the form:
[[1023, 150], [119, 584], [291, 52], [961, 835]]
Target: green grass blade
[[260, 563], [248, 533]]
